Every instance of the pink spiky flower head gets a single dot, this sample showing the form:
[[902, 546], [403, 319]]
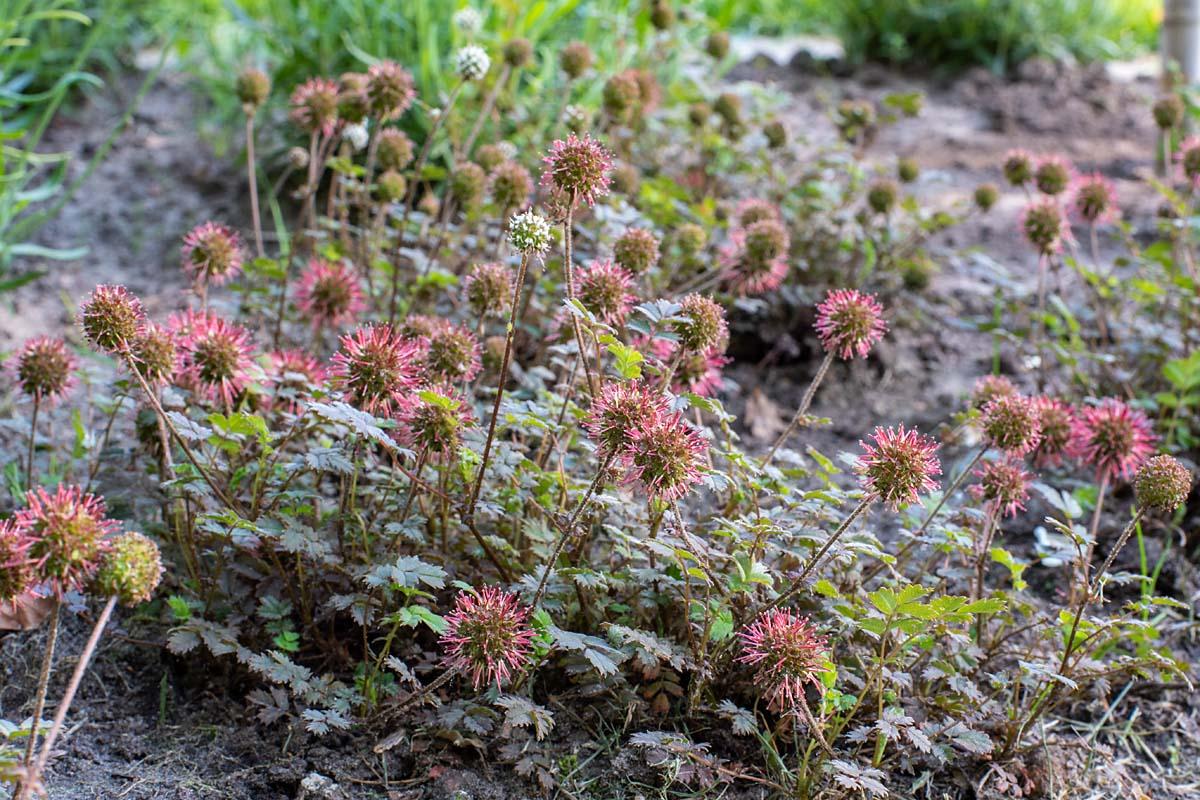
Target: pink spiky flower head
[[451, 353], [636, 250], [1044, 226], [665, 455], [212, 254], [701, 324], [510, 185], [16, 570], [1003, 485], [68, 533], [488, 288], [787, 653], [898, 465], [218, 358], [1056, 420], [700, 373], [1053, 175], [850, 323], [989, 387], [1094, 199], [433, 422], [752, 210], [1189, 159], [293, 375], [1018, 167], [130, 570], [1112, 437], [755, 259], [1162, 484], [44, 369], [111, 318], [314, 106], [329, 293], [605, 289], [390, 90], [155, 354], [377, 368], [1012, 423], [619, 410], [578, 168], [487, 636]]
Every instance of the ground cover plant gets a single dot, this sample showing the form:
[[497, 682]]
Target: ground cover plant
[[436, 454]]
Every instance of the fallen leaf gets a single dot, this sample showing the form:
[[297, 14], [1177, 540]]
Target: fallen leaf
[[25, 613], [763, 417]]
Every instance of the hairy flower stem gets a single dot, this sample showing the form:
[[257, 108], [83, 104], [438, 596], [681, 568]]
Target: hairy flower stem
[[802, 411], [798, 584], [410, 201], [37, 402], [569, 266], [64, 705], [505, 362], [488, 104], [39, 705], [569, 531], [183, 445], [252, 180], [394, 739], [1093, 530]]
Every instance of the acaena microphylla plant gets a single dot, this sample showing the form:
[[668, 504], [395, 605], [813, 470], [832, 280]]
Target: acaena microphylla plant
[[1056, 419], [989, 387], [17, 574], [487, 638], [621, 408], [451, 353], [849, 323], [377, 368], [1012, 424], [606, 290], [666, 456], [218, 359], [128, 573], [1053, 175], [896, 467], [488, 289], [45, 370], [1003, 488], [68, 532], [111, 318], [1018, 168], [329, 294], [212, 255], [432, 423], [787, 654], [636, 250], [754, 261], [577, 170]]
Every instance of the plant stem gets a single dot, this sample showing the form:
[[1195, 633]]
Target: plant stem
[[951, 489], [26, 788], [418, 167], [798, 583], [569, 267], [505, 362], [64, 705], [569, 531], [37, 402], [183, 445], [391, 741], [252, 176], [805, 402], [488, 104]]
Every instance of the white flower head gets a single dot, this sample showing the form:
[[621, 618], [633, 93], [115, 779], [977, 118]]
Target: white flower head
[[472, 62], [467, 20], [356, 135], [576, 117], [529, 233]]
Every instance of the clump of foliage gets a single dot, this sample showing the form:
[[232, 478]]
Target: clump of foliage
[[451, 445]]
